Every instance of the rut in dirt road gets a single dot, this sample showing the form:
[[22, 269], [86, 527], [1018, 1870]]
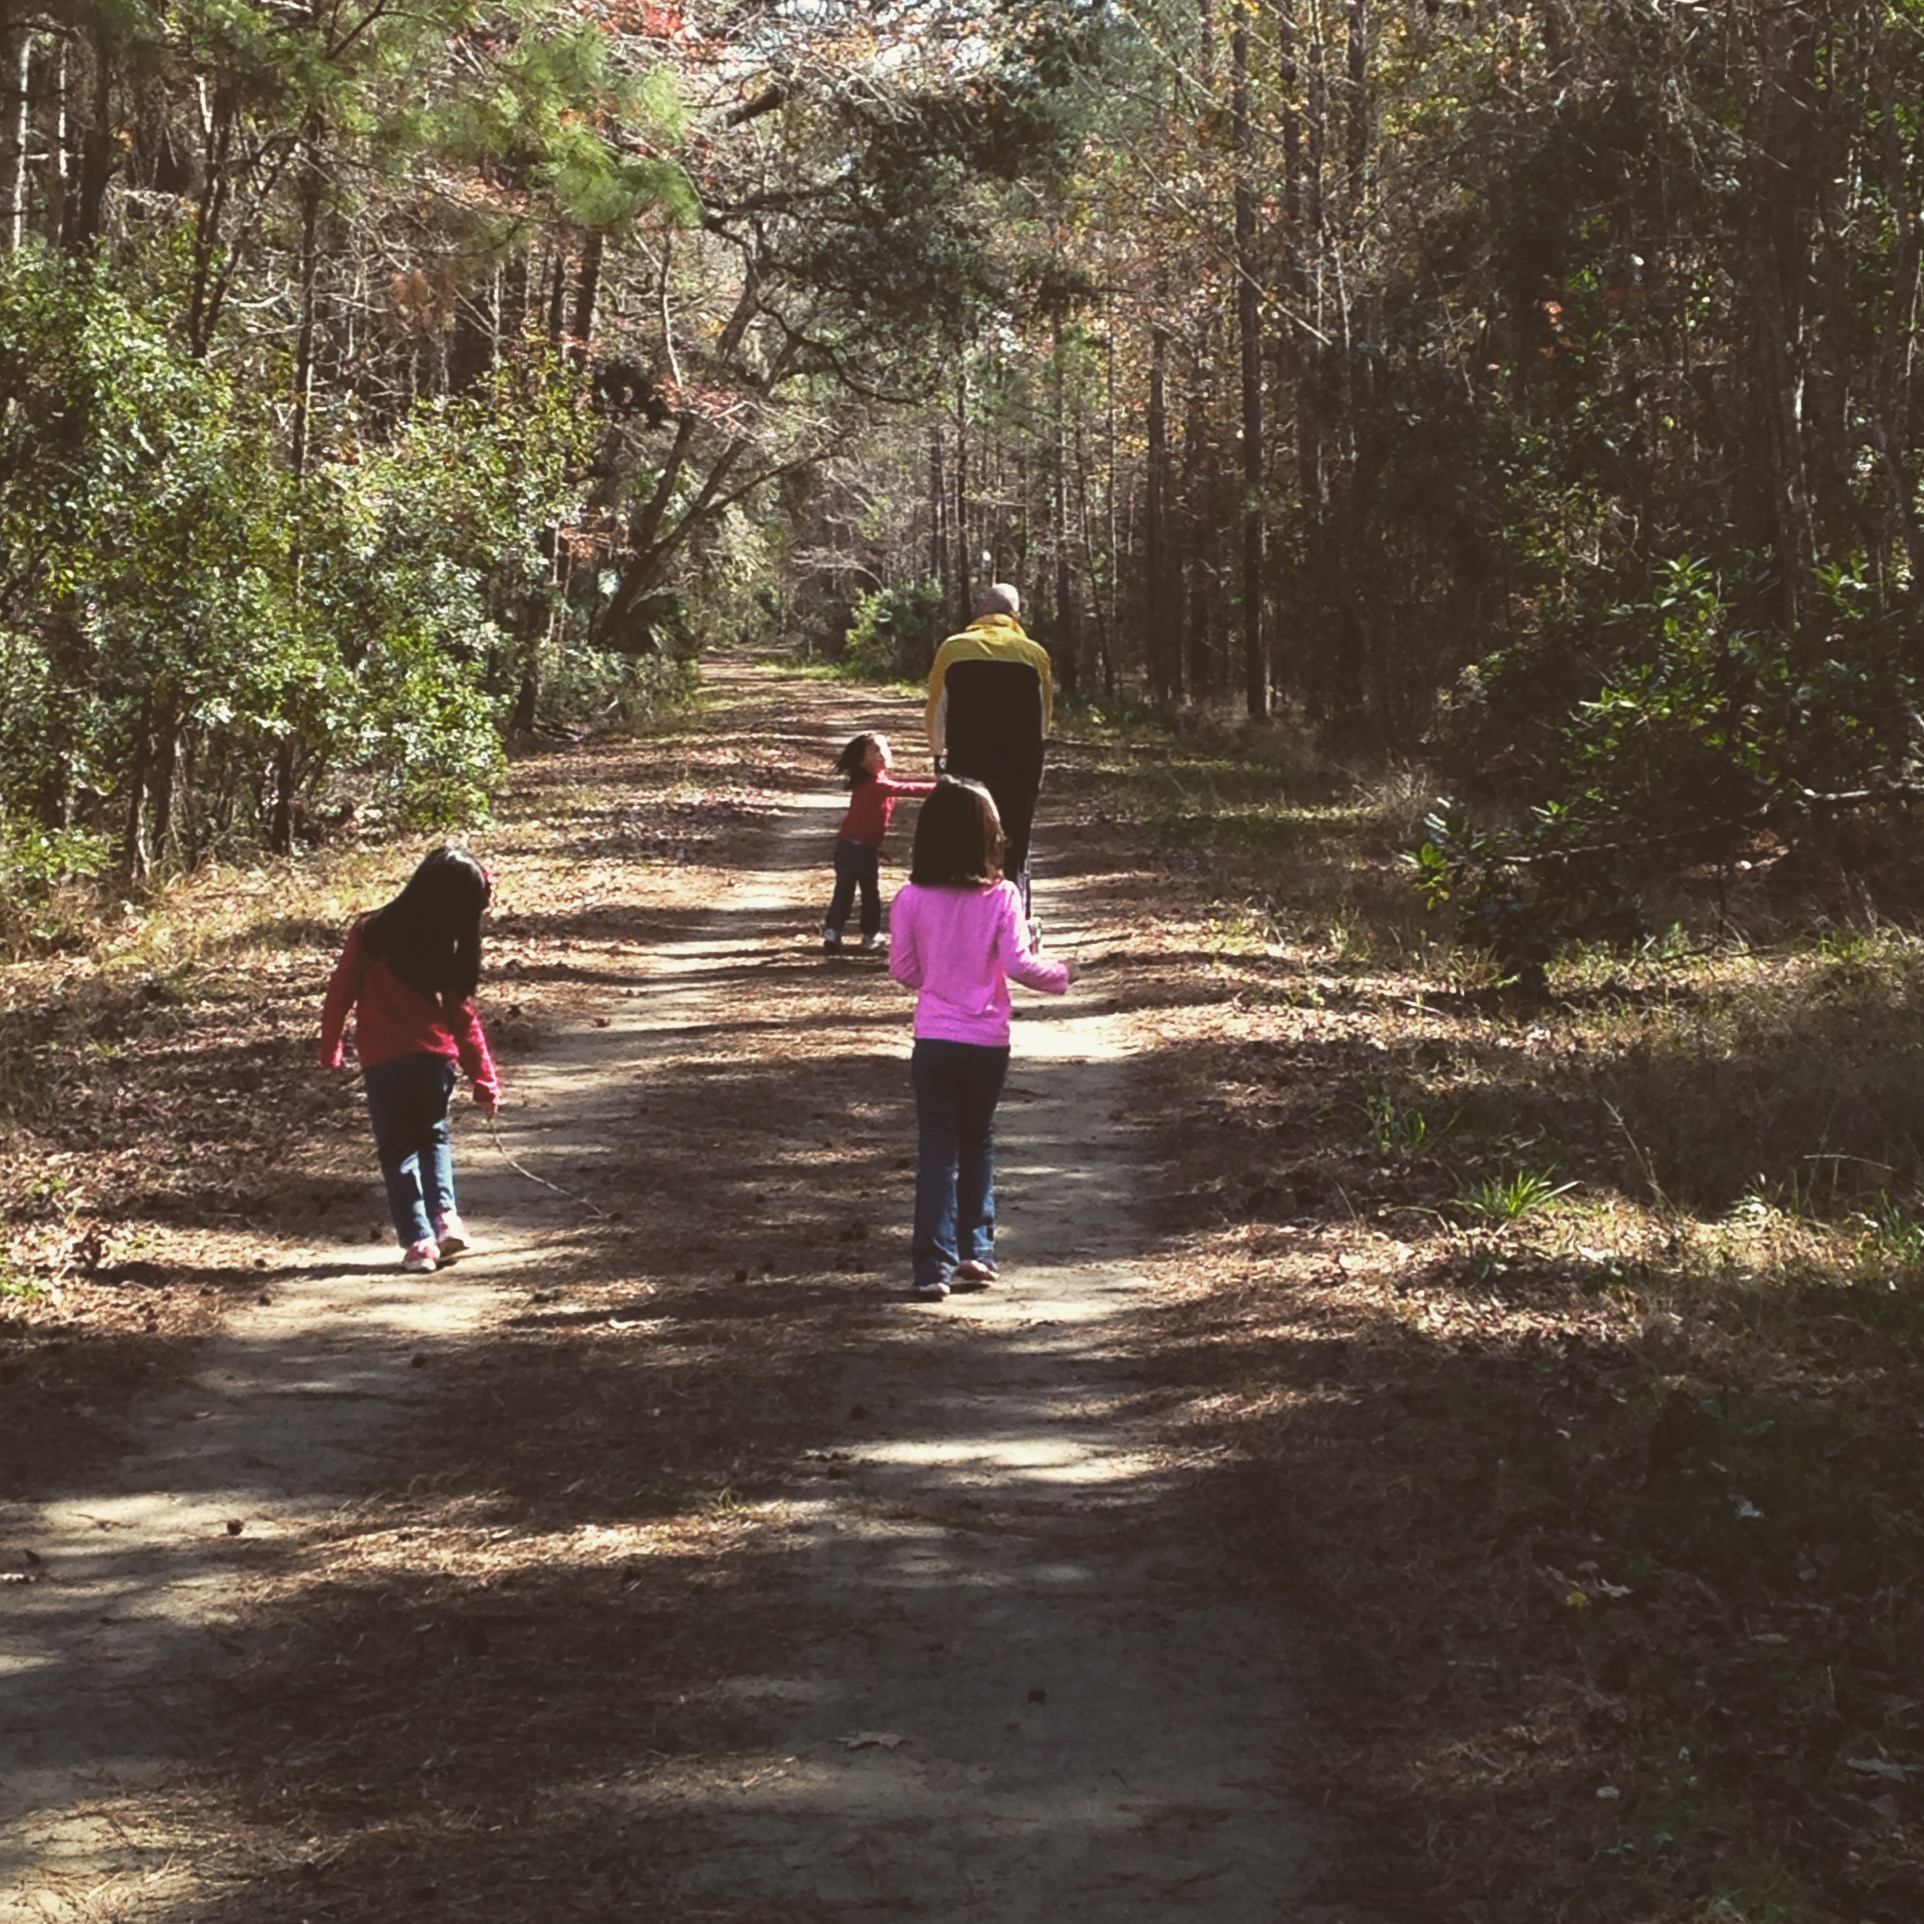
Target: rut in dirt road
[[1015, 1703]]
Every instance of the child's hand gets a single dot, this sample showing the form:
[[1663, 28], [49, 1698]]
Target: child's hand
[[488, 1101]]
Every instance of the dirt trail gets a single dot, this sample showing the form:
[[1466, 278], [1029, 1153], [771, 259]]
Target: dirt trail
[[1016, 1697]]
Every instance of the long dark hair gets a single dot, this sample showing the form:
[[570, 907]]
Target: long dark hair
[[431, 932], [958, 838], [853, 761]]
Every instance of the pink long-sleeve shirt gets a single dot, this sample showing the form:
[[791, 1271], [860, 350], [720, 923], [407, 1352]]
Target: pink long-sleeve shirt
[[959, 949]]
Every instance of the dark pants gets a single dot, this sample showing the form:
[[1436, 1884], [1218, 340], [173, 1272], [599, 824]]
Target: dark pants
[[857, 865], [957, 1085], [407, 1101], [1013, 775]]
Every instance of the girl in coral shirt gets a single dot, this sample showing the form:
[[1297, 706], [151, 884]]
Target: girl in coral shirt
[[409, 972]]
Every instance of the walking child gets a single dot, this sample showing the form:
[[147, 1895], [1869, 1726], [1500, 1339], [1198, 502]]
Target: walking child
[[873, 793], [960, 937], [409, 972]]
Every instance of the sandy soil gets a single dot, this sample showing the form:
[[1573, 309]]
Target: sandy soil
[[989, 1675]]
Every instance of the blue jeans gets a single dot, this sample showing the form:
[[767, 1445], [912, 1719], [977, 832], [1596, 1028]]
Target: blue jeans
[[407, 1101], [857, 864], [957, 1085]]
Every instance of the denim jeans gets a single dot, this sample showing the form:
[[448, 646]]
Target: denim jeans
[[957, 1085], [857, 864], [407, 1101]]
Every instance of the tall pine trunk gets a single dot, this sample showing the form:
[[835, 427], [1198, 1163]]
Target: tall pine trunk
[[1249, 332]]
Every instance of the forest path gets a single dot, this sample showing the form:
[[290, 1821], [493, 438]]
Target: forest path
[[1009, 1692]]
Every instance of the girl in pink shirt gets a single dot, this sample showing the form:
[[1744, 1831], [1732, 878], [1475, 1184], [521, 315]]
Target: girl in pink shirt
[[958, 936], [408, 972]]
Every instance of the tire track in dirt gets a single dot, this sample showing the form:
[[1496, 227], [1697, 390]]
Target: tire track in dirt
[[112, 1657], [1017, 1701]]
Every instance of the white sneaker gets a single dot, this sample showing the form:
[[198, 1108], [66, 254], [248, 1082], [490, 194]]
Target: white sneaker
[[422, 1255], [452, 1235]]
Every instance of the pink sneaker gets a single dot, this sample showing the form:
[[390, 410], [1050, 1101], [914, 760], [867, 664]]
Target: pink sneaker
[[425, 1254], [452, 1234]]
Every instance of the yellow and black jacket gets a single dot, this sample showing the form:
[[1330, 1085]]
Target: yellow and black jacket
[[991, 696]]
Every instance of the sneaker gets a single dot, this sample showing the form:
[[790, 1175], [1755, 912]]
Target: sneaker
[[452, 1235], [982, 1273], [875, 944], [425, 1254], [831, 942], [935, 1290]]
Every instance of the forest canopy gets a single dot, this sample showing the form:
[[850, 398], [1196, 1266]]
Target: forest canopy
[[1529, 387]]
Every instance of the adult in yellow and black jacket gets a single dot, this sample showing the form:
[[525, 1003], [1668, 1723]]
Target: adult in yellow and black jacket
[[991, 704]]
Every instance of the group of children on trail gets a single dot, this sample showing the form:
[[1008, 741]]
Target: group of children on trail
[[960, 929]]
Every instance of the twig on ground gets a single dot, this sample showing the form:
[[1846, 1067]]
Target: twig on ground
[[520, 1168]]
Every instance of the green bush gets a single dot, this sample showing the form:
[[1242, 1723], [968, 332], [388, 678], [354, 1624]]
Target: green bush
[[894, 632]]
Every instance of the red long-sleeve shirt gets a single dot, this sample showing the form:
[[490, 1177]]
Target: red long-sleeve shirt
[[392, 1020], [871, 803]]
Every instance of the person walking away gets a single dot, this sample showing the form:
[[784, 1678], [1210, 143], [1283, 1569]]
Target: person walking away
[[873, 793], [959, 937], [990, 708], [408, 973]]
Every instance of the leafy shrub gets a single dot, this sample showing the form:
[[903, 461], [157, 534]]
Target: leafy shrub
[[894, 632], [1698, 730]]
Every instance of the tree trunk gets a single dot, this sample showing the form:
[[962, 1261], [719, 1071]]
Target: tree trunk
[[81, 220], [1249, 330], [964, 575], [587, 287], [1068, 639], [557, 296], [20, 128], [1199, 490], [1164, 649], [163, 779], [938, 518], [1782, 204], [133, 833]]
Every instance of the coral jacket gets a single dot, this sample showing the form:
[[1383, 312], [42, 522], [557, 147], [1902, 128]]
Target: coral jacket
[[392, 1020], [872, 803]]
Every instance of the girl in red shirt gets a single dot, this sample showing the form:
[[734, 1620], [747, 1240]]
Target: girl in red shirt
[[409, 972], [873, 793]]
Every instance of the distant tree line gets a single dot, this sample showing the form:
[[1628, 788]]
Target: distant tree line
[[1535, 385], [374, 381]]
